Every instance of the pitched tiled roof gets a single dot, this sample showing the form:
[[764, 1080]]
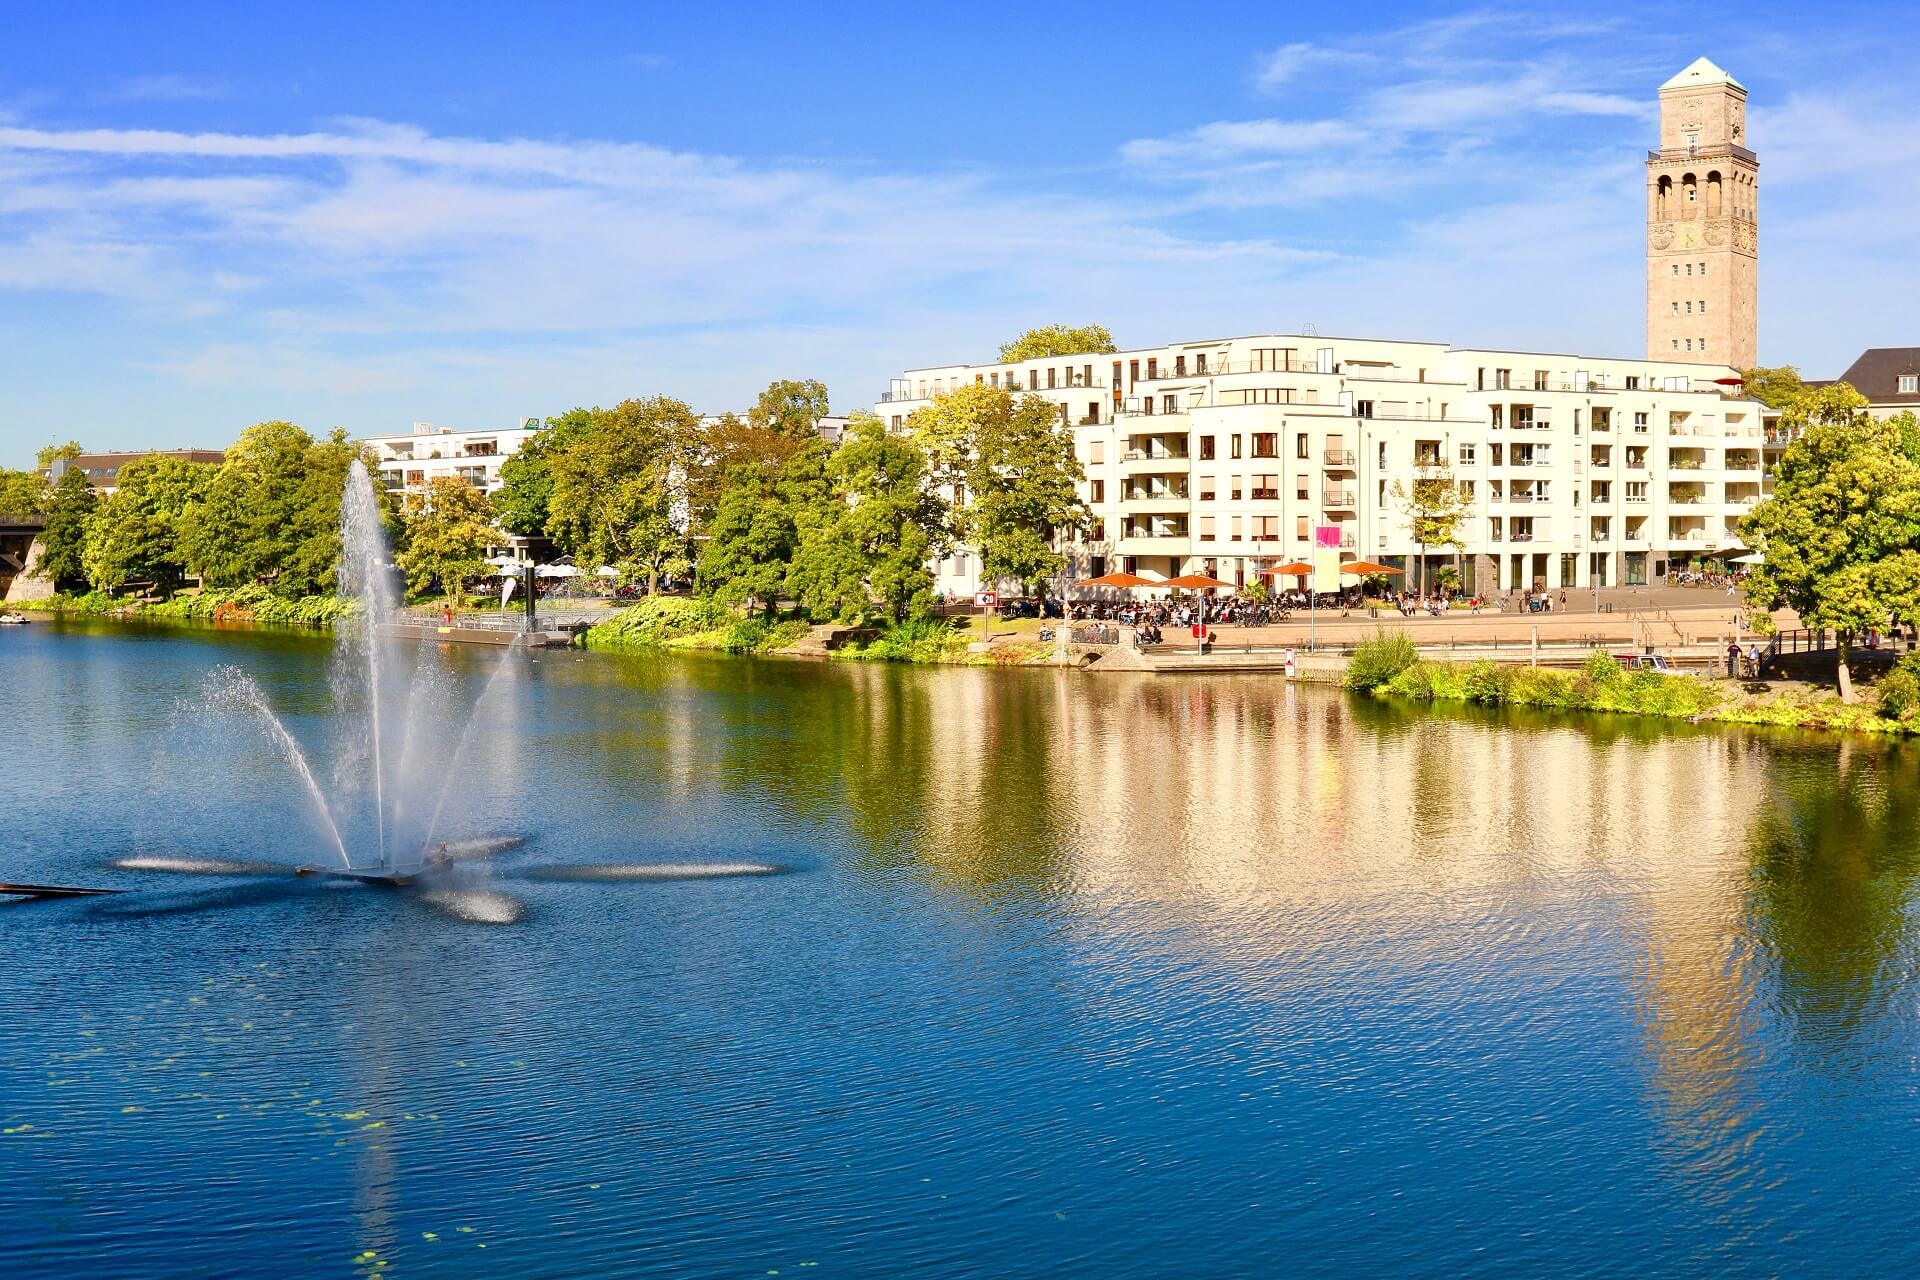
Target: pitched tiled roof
[[1877, 373]]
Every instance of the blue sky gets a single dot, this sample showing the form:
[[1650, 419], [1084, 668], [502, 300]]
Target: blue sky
[[369, 215]]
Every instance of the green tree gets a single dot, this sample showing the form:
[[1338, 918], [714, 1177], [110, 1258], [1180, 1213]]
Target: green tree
[[749, 544], [888, 517], [1021, 490], [272, 512], [138, 533], [1058, 340], [23, 494], [448, 527], [1435, 509], [790, 408], [731, 441], [1840, 529], [618, 493], [526, 479], [69, 521], [53, 453]]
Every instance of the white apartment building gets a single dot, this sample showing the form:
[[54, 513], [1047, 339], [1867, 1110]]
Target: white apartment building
[[1229, 455], [427, 452]]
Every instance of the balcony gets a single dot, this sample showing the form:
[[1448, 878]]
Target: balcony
[[1154, 462], [1703, 153], [1167, 500], [1337, 499], [1341, 458], [1153, 544]]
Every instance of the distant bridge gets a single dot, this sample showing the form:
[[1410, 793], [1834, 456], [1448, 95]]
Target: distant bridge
[[17, 541]]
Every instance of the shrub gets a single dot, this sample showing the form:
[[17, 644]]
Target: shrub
[[746, 635], [656, 620], [1900, 689], [1486, 683], [1377, 660], [913, 640]]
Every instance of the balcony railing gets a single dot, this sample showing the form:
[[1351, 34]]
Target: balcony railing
[[1340, 458], [1702, 153], [1154, 455], [1336, 499]]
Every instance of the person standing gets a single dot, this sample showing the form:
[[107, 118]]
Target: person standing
[[1733, 658], [1289, 665]]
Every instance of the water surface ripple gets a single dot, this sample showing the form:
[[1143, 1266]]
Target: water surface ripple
[[1061, 975]]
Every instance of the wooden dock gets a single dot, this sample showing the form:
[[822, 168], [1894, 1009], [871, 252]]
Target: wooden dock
[[498, 637]]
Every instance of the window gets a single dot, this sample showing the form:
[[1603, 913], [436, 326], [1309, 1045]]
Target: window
[[1206, 528], [1099, 490], [1909, 384], [1689, 308], [1539, 379], [1676, 268], [1233, 490], [1363, 409], [1689, 268], [1169, 404], [1466, 455], [1265, 527], [1179, 366], [1300, 445], [1689, 344], [1676, 344], [1300, 528], [1206, 448], [1266, 444], [1640, 422], [1206, 488], [1153, 369], [1300, 487], [1703, 306], [1236, 528], [1636, 491], [1603, 419], [1676, 308], [1033, 379], [1050, 377], [1703, 268], [1265, 489], [1633, 382], [1200, 362], [1466, 490], [1236, 451]]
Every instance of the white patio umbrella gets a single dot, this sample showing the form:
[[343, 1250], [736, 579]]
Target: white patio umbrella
[[556, 571], [606, 571], [1752, 557], [503, 560]]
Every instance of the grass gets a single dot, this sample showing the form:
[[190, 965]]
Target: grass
[[240, 604]]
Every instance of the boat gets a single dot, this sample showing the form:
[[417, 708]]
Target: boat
[[13, 619]]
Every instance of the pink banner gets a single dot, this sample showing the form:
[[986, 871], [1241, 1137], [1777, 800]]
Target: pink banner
[[1326, 535]]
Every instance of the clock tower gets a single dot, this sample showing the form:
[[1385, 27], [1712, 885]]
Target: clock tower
[[1703, 241]]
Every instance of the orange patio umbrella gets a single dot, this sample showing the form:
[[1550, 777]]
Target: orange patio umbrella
[[1293, 570], [1193, 582], [1118, 580], [1367, 568]]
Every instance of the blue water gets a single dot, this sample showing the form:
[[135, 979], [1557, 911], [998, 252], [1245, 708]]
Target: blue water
[[1066, 975]]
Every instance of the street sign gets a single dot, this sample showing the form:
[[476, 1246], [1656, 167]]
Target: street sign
[[986, 599]]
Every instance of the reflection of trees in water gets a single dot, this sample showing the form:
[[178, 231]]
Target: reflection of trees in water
[[1834, 854]]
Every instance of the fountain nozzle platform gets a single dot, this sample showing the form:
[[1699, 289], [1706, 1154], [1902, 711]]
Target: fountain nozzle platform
[[387, 877]]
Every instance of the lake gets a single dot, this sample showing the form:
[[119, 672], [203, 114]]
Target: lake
[[1123, 976]]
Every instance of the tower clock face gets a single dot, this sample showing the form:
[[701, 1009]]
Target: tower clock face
[[1689, 237]]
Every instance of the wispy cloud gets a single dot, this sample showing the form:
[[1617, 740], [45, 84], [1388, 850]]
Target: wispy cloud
[[166, 88]]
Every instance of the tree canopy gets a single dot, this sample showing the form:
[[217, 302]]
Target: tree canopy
[[137, 534], [69, 520], [1841, 528], [618, 494], [790, 408], [447, 526], [23, 494], [50, 454], [1058, 340], [1434, 507]]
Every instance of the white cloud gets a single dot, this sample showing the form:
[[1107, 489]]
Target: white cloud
[[1292, 62]]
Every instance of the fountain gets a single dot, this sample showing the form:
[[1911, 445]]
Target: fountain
[[399, 741]]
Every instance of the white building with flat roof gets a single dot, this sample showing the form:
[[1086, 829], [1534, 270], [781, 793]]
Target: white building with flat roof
[[427, 452], [1229, 455]]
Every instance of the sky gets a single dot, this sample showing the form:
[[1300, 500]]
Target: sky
[[370, 215]]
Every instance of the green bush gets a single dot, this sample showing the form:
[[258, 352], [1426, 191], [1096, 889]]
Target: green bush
[[757, 635], [1486, 683], [1378, 660], [1900, 689], [656, 620], [912, 640]]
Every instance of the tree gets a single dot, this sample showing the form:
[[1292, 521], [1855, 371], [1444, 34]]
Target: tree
[[1058, 340], [790, 409], [526, 479], [749, 544], [730, 441], [271, 514], [448, 527], [1434, 508], [1840, 529], [1021, 480], [138, 533], [23, 494], [890, 517], [53, 453], [619, 486], [1775, 387], [69, 520]]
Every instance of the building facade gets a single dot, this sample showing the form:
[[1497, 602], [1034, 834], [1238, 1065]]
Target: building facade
[[1889, 377], [1703, 230], [408, 462], [1230, 455]]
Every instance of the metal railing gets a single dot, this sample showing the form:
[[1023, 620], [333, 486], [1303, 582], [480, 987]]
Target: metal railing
[[1714, 151], [1339, 458]]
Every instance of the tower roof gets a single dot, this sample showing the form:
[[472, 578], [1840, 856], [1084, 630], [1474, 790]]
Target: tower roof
[[1701, 72]]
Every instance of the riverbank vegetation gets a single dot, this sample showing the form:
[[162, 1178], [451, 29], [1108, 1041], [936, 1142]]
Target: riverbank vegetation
[[1388, 667]]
